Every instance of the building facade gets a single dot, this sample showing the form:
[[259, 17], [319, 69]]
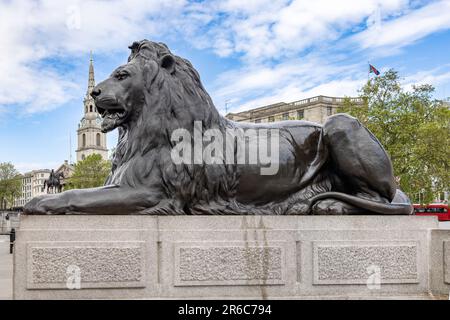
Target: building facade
[[315, 109], [67, 169], [91, 139], [32, 184]]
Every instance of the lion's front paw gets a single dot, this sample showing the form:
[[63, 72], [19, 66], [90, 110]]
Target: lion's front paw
[[44, 204], [34, 206]]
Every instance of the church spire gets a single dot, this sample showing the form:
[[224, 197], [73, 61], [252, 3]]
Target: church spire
[[91, 81], [91, 139]]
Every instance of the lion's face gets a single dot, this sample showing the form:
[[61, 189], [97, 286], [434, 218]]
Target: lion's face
[[121, 97]]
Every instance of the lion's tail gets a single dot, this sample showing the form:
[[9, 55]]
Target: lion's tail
[[394, 208]]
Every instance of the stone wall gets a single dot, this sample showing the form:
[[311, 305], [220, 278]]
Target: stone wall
[[262, 257]]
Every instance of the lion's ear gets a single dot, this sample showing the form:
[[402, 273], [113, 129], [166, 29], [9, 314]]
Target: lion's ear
[[168, 62]]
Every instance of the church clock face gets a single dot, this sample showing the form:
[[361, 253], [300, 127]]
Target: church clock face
[[98, 120], [83, 122]]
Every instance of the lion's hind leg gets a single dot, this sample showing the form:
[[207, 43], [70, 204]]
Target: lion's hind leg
[[358, 160]]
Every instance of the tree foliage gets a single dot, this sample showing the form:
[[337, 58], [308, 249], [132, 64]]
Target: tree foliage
[[414, 129], [89, 173], [10, 184]]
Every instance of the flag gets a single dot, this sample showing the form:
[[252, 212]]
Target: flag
[[373, 69]]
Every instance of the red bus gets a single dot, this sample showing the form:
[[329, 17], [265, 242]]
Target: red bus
[[433, 209]]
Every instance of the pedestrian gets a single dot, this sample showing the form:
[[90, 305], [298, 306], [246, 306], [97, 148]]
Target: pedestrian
[[12, 238]]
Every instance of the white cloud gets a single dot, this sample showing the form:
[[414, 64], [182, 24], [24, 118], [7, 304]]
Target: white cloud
[[346, 85], [435, 77], [259, 32], [408, 28], [294, 79], [24, 167], [286, 29], [31, 31], [272, 29]]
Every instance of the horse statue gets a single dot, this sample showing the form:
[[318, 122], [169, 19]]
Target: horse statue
[[53, 182]]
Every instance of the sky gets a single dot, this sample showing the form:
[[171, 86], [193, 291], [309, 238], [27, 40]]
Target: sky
[[248, 53]]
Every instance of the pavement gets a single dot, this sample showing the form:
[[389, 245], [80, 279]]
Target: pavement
[[6, 269], [444, 225]]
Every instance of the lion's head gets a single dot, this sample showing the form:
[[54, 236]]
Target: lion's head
[[148, 98], [153, 88]]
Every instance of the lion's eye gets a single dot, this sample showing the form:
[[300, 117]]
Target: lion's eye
[[122, 75]]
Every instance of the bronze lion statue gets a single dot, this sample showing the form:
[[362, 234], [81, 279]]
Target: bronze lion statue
[[336, 168]]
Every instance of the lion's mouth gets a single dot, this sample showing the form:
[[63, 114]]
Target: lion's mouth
[[112, 113], [113, 116]]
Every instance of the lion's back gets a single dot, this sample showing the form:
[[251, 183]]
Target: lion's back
[[299, 145]]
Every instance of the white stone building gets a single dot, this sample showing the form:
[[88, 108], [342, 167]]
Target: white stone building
[[32, 184], [314, 109], [67, 169], [91, 139]]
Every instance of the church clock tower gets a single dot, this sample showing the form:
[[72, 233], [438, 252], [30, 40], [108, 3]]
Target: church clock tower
[[91, 139]]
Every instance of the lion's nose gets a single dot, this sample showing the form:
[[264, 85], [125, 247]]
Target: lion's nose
[[95, 92]]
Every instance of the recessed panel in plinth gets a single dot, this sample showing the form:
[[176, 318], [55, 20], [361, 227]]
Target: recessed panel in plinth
[[363, 262], [447, 262], [59, 265], [229, 263]]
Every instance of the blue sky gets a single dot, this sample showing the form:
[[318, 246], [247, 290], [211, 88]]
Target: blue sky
[[249, 53]]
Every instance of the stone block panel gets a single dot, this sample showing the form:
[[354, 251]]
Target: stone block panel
[[362, 262], [447, 262], [59, 265], [229, 263]]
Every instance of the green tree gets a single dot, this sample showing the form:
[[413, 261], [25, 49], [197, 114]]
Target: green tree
[[413, 128], [10, 184], [89, 173]]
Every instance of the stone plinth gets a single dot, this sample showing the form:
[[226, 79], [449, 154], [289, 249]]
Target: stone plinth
[[258, 257], [440, 262]]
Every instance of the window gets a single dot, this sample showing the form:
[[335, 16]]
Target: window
[[271, 119], [90, 108], [82, 157], [285, 116], [329, 111], [300, 114], [97, 138], [84, 140], [258, 121], [430, 210]]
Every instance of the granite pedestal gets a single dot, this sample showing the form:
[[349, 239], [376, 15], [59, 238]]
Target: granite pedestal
[[229, 257]]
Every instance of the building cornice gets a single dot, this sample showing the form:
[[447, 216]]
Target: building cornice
[[91, 148], [281, 107], [84, 128]]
